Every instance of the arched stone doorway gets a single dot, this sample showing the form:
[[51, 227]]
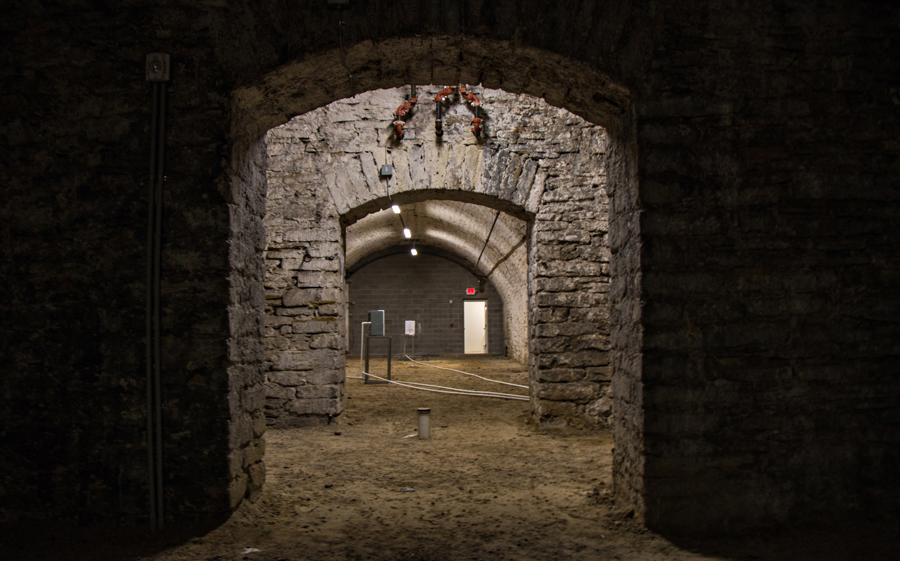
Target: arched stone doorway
[[300, 87], [524, 204]]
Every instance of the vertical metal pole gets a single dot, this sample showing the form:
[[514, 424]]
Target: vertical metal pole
[[389, 358], [366, 361], [362, 348]]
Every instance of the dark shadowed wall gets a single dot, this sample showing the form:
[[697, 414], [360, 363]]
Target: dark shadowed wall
[[755, 220]]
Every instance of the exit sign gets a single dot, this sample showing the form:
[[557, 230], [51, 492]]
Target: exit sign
[[470, 291]]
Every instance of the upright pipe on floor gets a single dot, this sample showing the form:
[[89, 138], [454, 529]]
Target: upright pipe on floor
[[424, 423], [157, 73]]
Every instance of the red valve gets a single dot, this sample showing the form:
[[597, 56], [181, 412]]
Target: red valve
[[473, 100], [470, 97], [403, 111], [439, 98], [398, 129], [467, 95], [476, 126]]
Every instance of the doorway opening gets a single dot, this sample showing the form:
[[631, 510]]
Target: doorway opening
[[475, 320], [523, 205], [556, 270]]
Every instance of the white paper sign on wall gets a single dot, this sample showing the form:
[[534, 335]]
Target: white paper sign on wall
[[410, 327]]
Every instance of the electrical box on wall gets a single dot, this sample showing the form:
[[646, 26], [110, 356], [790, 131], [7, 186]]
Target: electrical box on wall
[[157, 69], [377, 319]]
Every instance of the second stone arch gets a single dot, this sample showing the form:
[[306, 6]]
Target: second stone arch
[[525, 204]]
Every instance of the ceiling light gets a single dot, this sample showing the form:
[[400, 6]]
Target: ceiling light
[[406, 233], [396, 209], [413, 251]]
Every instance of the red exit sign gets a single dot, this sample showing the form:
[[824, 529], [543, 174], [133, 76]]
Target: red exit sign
[[470, 291]]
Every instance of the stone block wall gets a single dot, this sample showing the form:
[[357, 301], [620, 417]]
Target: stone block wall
[[569, 275], [757, 306], [421, 288], [626, 337], [770, 294], [305, 292], [246, 379], [542, 160]]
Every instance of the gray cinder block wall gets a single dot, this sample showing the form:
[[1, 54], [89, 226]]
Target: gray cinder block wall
[[421, 289]]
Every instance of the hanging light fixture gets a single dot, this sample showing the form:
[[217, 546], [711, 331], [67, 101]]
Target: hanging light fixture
[[414, 252], [406, 233], [396, 209]]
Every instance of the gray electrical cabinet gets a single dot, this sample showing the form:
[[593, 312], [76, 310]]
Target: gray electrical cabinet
[[377, 319]]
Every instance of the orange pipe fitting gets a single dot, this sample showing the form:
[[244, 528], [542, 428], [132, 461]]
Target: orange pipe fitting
[[402, 112], [467, 95], [441, 95]]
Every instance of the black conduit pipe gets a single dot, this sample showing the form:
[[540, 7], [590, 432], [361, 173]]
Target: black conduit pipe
[[154, 266], [487, 239], [148, 311]]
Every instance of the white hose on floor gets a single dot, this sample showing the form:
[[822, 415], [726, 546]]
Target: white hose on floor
[[468, 374], [474, 392], [455, 391]]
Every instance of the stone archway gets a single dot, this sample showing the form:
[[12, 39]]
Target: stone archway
[[306, 85], [551, 266]]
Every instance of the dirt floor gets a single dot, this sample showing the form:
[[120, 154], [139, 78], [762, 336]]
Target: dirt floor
[[487, 485]]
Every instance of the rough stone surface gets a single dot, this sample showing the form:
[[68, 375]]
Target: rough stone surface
[[753, 233], [533, 161], [246, 390]]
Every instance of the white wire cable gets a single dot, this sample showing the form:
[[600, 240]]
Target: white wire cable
[[480, 392], [468, 374], [472, 393], [460, 390]]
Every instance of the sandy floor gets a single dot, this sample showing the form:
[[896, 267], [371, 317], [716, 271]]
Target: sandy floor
[[487, 485]]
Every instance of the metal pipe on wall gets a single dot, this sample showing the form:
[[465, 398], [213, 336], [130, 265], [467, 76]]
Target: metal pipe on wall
[[148, 312], [486, 240], [158, 74]]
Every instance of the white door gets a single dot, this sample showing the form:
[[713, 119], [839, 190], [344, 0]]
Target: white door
[[475, 325]]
